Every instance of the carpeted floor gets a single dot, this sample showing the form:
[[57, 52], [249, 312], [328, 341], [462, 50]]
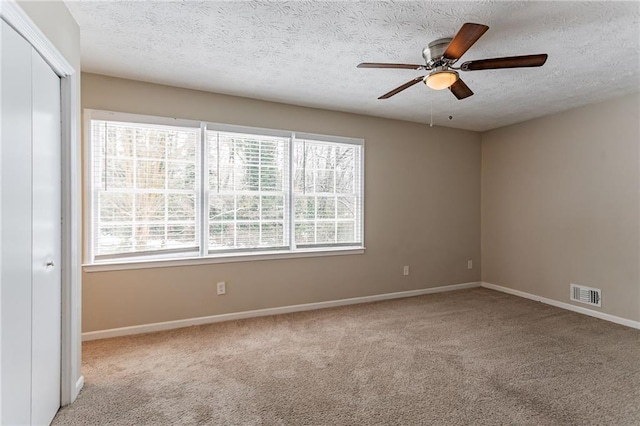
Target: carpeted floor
[[470, 357]]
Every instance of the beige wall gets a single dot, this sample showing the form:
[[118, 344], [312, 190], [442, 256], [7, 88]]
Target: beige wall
[[561, 204], [56, 22], [422, 209]]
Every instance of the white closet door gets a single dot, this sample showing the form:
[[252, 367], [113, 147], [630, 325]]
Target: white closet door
[[15, 229], [30, 234], [47, 218]]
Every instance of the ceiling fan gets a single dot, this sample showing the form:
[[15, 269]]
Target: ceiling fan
[[440, 56]]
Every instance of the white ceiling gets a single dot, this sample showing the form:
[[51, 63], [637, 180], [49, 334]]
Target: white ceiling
[[306, 52]]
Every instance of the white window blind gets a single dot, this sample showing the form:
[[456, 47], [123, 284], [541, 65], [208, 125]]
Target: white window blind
[[248, 186], [145, 188], [327, 190], [164, 191]]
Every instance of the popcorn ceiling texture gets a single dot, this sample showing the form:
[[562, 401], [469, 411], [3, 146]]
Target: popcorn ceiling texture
[[306, 52]]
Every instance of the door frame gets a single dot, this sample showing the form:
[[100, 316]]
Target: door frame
[[71, 380]]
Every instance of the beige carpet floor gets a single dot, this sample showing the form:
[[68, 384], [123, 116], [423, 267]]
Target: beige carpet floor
[[470, 357]]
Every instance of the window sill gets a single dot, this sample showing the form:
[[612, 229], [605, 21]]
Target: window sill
[[221, 258]]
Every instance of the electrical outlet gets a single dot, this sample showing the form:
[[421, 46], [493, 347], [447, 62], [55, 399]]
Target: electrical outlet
[[469, 264], [405, 271], [222, 288]]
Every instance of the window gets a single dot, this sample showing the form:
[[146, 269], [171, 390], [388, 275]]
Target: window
[[247, 191], [145, 188], [327, 192], [165, 189]]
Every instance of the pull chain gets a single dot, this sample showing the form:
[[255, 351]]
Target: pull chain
[[431, 103]]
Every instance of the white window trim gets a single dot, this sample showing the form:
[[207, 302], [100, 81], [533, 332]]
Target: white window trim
[[186, 259], [221, 258]]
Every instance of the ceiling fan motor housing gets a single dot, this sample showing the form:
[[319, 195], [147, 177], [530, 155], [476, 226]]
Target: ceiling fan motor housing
[[432, 54]]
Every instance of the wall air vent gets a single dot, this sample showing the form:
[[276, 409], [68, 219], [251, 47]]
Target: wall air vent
[[588, 295]]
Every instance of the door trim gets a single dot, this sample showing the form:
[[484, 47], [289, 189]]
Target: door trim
[[71, 379]]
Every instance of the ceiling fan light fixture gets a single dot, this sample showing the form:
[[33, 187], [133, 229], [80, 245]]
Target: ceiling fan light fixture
[[440, 80]]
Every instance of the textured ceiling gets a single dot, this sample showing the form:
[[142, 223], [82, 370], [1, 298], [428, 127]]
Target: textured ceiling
[[306, 52]]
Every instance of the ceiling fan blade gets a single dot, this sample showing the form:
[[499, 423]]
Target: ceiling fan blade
[[467, 35], [401, 88], [382, 65], [506, 62], [460, 90]]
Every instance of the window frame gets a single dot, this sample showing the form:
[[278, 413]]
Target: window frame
[[204, 256]]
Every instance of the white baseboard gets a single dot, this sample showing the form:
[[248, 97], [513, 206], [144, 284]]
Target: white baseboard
[[168, 325], [79, 385], [563, 305]]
